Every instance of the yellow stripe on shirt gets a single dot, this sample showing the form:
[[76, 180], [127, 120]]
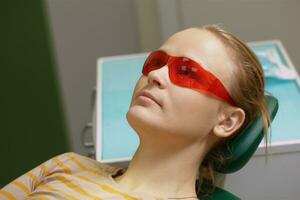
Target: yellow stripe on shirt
[[34, 179], [21, 186], [44, 170], [39, 197], [108, 189], [60, 164], [50, 188], [83, 167], [111, 190], [74, 187], [8, 195]]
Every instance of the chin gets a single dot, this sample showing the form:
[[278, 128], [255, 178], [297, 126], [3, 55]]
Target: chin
[[136, 117], [141, 121]]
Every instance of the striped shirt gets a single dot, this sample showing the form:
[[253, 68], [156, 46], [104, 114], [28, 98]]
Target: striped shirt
[[70, 176]]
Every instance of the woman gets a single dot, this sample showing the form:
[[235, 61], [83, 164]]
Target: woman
[[197, 91]]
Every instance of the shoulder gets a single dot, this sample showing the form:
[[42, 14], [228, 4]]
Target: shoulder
[[80, 162]]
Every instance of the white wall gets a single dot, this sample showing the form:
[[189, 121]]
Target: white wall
[[82, 32], [278, 179], [251, 20]]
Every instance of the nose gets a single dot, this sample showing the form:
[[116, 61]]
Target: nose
[[159, 77]]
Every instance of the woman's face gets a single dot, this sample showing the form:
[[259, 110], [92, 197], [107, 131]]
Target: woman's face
[[181, 112]]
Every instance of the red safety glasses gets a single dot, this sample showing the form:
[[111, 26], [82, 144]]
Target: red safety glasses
[[187, 73]]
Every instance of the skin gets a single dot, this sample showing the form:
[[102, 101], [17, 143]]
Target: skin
[[176, 135]]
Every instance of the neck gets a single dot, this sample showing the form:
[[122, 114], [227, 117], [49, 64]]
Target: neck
[[162, 170]]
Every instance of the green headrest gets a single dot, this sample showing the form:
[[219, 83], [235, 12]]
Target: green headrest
[[245, 144]]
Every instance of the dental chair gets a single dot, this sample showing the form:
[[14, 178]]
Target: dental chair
[[241, 150]]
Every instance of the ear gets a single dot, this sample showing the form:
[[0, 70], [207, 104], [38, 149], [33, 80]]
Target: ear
[[229, 122]]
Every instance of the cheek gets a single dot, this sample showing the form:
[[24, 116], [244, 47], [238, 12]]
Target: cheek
[[141, 82], [194, 113]]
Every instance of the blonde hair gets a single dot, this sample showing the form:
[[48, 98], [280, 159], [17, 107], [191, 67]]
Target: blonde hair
[[247, 89]]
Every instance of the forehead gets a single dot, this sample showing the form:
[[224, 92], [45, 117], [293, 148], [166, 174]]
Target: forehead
[[204, 48]]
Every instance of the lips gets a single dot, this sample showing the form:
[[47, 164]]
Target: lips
[[149, 95]]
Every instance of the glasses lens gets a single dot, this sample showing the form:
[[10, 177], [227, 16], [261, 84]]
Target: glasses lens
[[187, 73], [184, 72], [155, 60]]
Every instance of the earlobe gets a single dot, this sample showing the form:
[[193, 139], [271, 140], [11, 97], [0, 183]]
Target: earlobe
[[230, 124], [218, 130]]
